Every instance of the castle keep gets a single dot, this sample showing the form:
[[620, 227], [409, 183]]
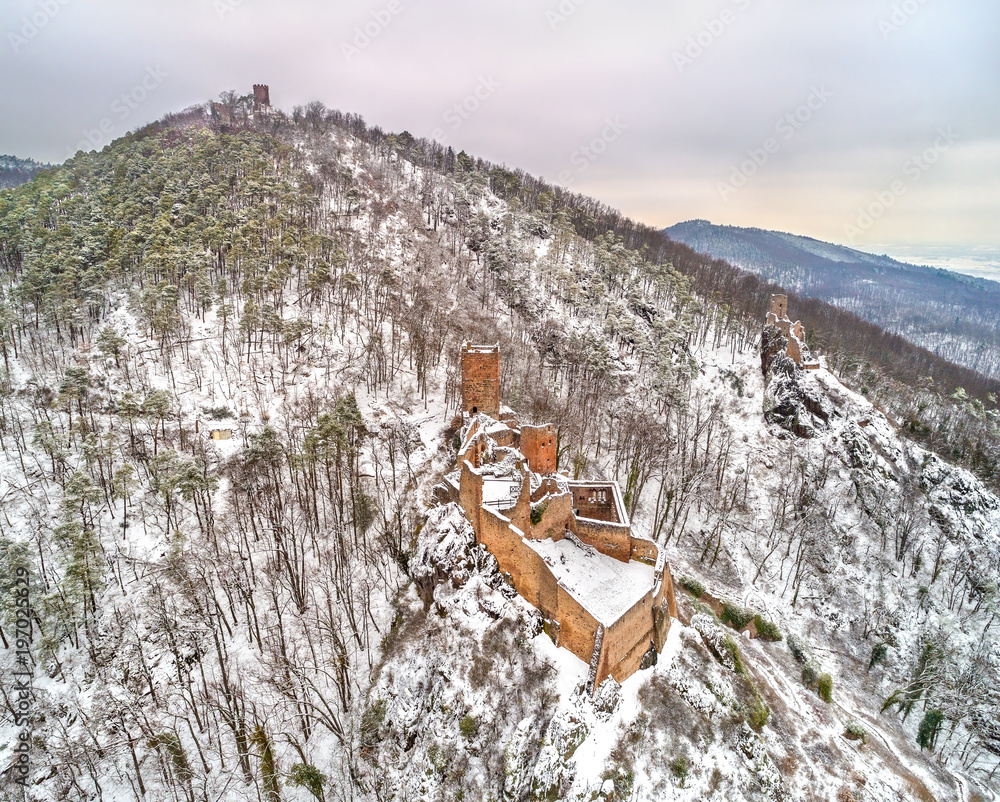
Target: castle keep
[[568, 546], [481, 380], [261, 98]]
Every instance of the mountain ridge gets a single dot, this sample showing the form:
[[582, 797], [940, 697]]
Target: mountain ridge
[[953, 315], [15, 171], [822, 245]]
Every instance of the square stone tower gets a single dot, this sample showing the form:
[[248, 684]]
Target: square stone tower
[[779, 308], [261, 97], [538, 444], [481, 379]]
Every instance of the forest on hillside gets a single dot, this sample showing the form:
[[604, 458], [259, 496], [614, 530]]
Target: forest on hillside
[[212, 615]]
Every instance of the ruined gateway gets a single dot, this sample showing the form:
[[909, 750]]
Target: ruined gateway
[[606, 595]]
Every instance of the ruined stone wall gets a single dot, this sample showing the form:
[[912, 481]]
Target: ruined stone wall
[[647, 623], [474, 451], [611, 539], [577, 627], [520, 514], [556, 518], [531, 576], [628, 639], [509, 416], [470, 495], [644, 550], [468, 444], [794, 349], [548, 487], [538, 444], [481, 380], [595, 501]]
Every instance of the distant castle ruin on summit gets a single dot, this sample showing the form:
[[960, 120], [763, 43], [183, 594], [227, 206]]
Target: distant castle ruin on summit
[[261, 98], [567, 546]]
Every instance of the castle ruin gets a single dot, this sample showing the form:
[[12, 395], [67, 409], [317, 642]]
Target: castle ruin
[[567, 546], [797, 349], [261, 98]]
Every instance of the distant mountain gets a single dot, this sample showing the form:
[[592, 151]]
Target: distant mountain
[[956, 316], [15, 171]]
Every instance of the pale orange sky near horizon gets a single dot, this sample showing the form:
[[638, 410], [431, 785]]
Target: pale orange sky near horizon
[[769, 113]]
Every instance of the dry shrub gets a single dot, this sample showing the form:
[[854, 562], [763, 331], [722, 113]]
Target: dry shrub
[[789, 765]]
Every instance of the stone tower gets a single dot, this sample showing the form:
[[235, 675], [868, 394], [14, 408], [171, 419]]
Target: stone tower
[[481, 379], [261, 97], [794, 333], [539, 446], [779, 307]]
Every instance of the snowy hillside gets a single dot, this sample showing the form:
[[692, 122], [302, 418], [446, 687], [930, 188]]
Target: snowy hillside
[[804, 532], [229, 388]]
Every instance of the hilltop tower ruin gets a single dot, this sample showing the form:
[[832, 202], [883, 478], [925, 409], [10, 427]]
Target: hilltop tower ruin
[[481, 379], [261, 97], [797, 349]]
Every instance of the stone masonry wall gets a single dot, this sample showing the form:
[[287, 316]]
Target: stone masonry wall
[[556, 518], [644, 550], [470, 494], [537, 585], [481, 379], [538, 444], [608, 538], [628, 639], [596, 502], [577, 627]]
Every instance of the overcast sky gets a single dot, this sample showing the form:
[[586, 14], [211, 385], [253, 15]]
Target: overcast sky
[[800, 116]]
